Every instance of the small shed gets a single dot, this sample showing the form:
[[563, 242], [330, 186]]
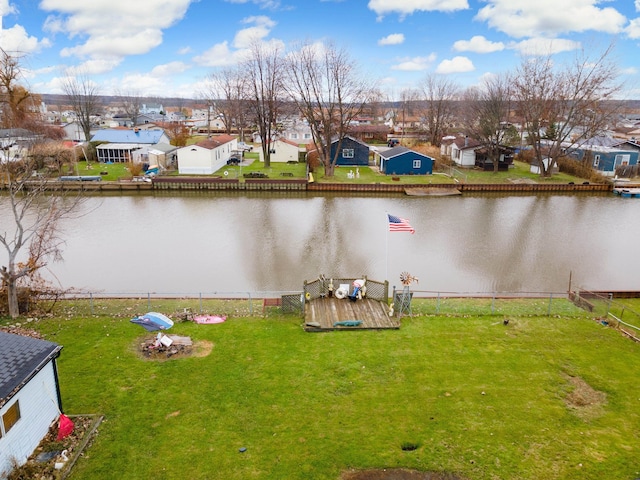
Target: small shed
[[404, 161], [535, 166], [29, 396]]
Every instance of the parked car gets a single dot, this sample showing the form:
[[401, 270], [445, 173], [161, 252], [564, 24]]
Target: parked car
[[245, 147], [234, 159]]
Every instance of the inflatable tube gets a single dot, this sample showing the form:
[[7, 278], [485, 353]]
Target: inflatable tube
[[340, 293]]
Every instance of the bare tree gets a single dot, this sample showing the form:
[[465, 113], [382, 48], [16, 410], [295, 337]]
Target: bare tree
[[407, 110], [17, 100], [263, 71], [130, 103], [439, 95], [225, 96], [84, 97], [564, 106], [325, 85], [36, 216], [489, 107]]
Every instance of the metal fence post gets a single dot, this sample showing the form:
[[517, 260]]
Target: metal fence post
[[148, 301], [91, 302], [200, 296], [250, 304], [493, 304], [549, 309], [438, 304]]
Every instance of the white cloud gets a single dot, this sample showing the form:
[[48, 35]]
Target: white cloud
[[478, 44], [414, 64], [629, 71], [637, 5], [393, 39], [6, 8], [184, 50], [523, 18], [222, 55], [263, 4], [108, 30], [455, 65], [633, 29], [260, 28], [16, 39], [95, 66], [168, 69], [407, 7], [545, 46]]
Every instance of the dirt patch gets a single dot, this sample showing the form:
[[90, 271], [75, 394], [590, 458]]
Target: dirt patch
[[150, 349], [397, 474], [584, 400]]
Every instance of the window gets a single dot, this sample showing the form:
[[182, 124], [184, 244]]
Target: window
[[11, 417], [596, 161], [622, 159], [347, 153], [307, 136], [294, 136], [417, 163]]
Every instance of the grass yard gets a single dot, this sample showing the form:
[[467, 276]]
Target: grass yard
[[542, 397]]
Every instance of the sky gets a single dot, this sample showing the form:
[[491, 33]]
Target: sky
[[167, 48]]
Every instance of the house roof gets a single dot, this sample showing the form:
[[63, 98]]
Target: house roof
[[22, 357], [400, 150], [215, 142], [116, 135], [394, 152]]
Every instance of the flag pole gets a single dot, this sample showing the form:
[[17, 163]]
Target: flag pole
[[386, 258]]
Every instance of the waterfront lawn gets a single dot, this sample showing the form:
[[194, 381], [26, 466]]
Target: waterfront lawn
[[114, 171], [542, 397]]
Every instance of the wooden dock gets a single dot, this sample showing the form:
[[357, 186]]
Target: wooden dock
[[321, 314]]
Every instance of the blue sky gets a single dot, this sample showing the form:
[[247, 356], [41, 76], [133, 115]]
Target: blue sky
[[168, 47]]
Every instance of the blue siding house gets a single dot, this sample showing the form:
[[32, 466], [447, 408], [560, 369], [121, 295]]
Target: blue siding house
[[352, 152], [403, 161], [606, 159]]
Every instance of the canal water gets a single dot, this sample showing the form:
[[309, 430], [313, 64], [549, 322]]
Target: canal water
[[236, 243]]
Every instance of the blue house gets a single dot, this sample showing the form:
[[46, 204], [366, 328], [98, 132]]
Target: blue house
[[352, 152], [403, 161], [605, 159], [121, 145]]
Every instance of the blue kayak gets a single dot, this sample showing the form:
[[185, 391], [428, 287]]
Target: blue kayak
[[153, 321]]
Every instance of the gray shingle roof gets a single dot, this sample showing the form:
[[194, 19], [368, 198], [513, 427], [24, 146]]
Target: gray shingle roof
[[21, 358]]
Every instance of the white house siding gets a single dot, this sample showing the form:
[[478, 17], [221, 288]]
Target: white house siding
[[284, 152], [194, 160], [38, 410]]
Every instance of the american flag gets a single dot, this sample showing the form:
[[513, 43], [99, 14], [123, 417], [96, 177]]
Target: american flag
[[397, 224]]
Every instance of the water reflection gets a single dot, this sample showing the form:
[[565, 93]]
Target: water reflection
[[238, 243]]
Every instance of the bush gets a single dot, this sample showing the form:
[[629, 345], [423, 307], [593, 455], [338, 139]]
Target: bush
[[135, 168]]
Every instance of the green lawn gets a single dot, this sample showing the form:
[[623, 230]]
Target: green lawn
[[476, 398], [276, 170]]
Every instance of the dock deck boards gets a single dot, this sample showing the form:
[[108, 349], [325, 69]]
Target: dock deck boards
[[328, 310]]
